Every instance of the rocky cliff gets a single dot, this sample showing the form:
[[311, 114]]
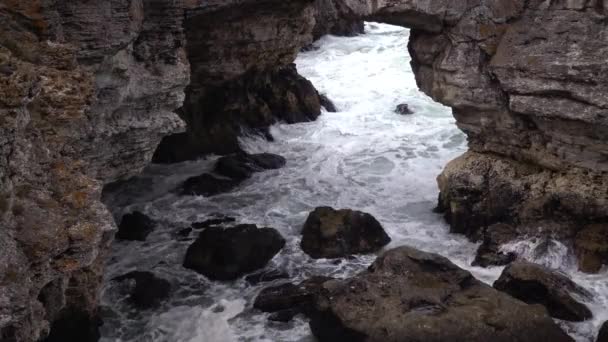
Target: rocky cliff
[[525, 80], [87, 91], [89, 88], [243, 79]]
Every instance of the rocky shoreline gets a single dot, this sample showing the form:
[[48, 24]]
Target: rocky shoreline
[[88, 90]]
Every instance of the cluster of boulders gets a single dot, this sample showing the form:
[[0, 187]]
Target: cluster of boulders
[[224, 251], [406, 294], [410, 295]]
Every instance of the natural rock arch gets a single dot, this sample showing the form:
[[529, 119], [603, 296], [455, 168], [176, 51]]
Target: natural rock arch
[[88, 89]]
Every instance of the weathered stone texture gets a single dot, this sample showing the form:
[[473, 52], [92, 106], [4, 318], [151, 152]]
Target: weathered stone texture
[[87, 90]]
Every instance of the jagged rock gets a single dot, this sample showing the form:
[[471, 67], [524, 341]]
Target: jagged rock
[[327, 104], [330, 233], [148, 291], [403, 109], [135, 226], [241, 166], [266, 276], [226, 254], [248, 86], [80, 106], [288, 300], [410, 295], [207, 185], [591, 247], [535, 284], [479, 190], [602, 335], [213, 222]]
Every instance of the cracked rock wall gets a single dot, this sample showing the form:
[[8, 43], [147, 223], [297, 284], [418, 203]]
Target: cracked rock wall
[[87, 90]]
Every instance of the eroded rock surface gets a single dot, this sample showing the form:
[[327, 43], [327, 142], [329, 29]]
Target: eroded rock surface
[[87, 91], [531, 101], [410, 295], [248, 84], [481, 191]]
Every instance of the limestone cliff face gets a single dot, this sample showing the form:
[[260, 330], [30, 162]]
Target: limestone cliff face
[[526, 81], [87, 90], [241, 55]]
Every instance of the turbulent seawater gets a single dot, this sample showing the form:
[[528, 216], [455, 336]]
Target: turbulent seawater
[[364, 157]]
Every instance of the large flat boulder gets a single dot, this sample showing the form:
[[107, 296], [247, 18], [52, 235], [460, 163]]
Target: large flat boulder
[[410, 295]]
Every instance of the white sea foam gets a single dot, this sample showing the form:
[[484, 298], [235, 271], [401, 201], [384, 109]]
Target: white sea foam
[[364, 157]]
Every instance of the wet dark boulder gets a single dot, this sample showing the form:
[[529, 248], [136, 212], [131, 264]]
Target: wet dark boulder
[[266, 276], [146, 290], [535, 284], [288, 300], [228, 253], [410, 295], [330, 233], [602, 335], [403, 109], [135, 226], [207, 185], [327, 103], [240, 166]]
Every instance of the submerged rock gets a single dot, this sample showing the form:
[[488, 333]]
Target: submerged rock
[[403, 109], [410, 295], [535, 284], [148, 291], [288, 299], [591, 247], [226, 254], [241, 166], [135, 226], [207, 185], [330, 233]]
